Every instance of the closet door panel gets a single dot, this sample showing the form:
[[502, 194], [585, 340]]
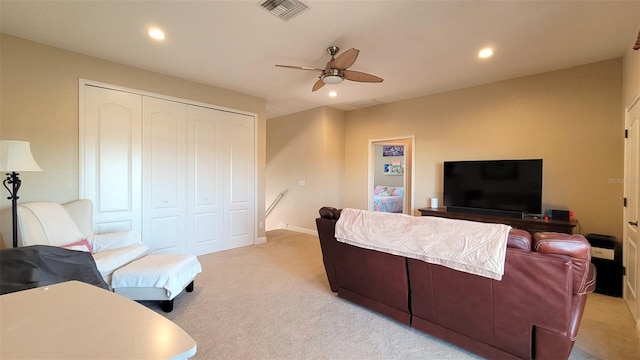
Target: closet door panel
[[110, 155], [241, 162], [114, 139], [166, 231], [164, 175], [166, 155], [241, 183], [206, 172], [205, 162]]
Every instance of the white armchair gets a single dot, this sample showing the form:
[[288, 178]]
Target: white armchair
[[48, 223], [122, 259]]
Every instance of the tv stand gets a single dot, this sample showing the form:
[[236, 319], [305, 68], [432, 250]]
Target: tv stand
[[531, 225]]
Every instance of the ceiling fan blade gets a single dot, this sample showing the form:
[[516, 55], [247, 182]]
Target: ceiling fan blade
[[318, 85], [300, 67], [361, 77], [346, 59]]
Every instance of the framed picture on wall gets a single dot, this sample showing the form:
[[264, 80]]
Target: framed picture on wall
[[393, 150], [395, 168]]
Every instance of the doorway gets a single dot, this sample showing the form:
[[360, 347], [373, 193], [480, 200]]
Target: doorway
[[390, 185], [631, 251]]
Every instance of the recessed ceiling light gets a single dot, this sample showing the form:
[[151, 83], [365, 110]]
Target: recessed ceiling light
[[485, 53], [333, 94], [156, 33]]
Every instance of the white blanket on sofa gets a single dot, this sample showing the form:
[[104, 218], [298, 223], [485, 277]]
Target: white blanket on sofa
[[468, 246]]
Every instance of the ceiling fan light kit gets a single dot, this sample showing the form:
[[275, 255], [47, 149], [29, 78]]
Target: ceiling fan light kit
[[336, 69], [332, 79]]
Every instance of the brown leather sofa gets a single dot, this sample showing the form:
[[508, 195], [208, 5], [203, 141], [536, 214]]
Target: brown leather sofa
[[534, 312]]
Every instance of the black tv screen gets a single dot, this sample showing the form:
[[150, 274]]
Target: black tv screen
[[509, 186]]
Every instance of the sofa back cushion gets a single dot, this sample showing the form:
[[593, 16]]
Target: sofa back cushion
[[519, 239], [574, 246]]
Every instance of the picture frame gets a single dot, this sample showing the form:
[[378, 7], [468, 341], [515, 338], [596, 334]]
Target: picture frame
[[393, 150], [393, 168]]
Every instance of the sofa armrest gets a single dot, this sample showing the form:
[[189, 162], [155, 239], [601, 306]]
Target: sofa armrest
[[329, 213], [574, 246]]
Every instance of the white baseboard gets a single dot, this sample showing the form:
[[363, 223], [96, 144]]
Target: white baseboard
[[261, 240], [302, 230], [283, 226]]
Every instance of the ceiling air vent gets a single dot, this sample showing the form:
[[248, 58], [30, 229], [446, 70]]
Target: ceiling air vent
[[365, 103], [284, 9]]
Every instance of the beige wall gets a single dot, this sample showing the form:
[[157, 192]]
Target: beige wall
[[570, 118], [631, 66], [39, 103], [307, 146]]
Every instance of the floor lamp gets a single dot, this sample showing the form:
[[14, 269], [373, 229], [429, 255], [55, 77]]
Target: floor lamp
[[15, 156]]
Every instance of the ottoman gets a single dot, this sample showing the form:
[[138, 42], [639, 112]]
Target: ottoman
[[156, 277]]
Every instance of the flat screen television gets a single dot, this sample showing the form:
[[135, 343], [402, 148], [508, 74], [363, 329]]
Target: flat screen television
[[510, 188]]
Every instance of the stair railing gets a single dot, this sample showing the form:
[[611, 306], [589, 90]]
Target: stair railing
[[275, 202]]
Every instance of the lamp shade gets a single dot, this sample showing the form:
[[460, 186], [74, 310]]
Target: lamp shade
[[16, 156]]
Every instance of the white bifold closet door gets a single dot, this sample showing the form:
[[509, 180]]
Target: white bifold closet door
[[111, 158], [190, 185], [164, 175]]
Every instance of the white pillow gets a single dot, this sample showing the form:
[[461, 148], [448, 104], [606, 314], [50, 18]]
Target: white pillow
[[114, 240]]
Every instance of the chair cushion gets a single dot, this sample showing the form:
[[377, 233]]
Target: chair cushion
[[109, 261], [47, 223], [168, 271], [114, 240]]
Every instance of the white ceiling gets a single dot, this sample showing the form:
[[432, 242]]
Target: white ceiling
[[418, 47]]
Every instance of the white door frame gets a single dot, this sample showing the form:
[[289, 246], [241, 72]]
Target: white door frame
[[409, 181]]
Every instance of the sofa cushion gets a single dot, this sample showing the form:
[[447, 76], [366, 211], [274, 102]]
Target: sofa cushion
[[575, 246], [519, 239]]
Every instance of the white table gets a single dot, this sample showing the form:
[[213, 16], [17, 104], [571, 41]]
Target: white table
[[74, 320]]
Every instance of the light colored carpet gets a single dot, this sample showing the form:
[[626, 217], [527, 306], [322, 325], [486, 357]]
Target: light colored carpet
[[607, 330], [272, 301]]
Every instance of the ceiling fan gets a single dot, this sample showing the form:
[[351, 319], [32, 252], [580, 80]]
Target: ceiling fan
[[336, 69]]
